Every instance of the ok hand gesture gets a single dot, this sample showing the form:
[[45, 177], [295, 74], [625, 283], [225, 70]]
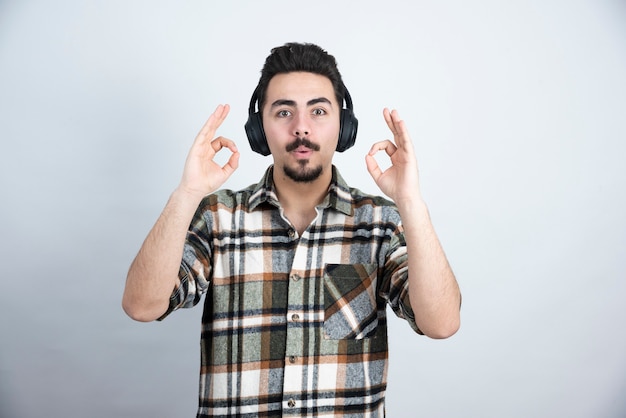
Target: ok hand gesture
[[202, 175], [401, 180]]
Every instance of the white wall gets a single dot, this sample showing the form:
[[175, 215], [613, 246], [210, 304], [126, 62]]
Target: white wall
[[518, 113]]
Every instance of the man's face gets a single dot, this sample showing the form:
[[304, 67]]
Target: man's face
[[301, 123]]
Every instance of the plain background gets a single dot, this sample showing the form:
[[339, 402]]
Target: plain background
[[518, 114]]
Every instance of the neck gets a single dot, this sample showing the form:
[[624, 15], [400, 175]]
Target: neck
[[299, 199]]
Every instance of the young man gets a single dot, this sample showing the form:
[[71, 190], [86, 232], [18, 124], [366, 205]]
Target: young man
[[299, 268]]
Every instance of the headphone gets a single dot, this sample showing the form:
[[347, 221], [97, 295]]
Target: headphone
[[348, 125]]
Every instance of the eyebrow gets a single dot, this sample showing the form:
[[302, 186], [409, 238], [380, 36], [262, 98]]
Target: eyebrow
[[286, 102]]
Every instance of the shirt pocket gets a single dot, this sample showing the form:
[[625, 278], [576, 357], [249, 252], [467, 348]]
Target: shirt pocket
[[350, 301]]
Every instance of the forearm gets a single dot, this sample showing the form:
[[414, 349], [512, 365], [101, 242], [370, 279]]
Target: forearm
[[433, 289], [154, 272]]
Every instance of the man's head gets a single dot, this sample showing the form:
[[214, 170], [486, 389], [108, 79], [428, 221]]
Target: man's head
[[296, 57], [300, 58]]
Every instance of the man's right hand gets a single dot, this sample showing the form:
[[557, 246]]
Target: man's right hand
[[202, 175], [154, 273]]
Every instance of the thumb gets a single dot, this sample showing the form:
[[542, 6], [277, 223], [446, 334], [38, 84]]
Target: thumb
[[372, 167]]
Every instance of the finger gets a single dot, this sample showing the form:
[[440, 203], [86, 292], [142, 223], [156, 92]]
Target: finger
[[386, 145], [391, 118], [221, 142], [372, 167], [215, 120], [387, 116], [398, 127], [232, 164]]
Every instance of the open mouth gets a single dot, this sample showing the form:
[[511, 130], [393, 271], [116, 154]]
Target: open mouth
[[302, 152]]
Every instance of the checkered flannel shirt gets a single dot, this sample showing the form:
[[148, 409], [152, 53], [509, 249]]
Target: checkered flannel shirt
[[294, 325]]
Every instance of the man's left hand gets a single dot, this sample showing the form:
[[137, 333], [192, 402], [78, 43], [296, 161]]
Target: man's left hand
[[401, 180]]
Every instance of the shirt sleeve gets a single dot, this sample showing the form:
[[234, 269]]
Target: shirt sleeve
[[195, 267], [395, 279]]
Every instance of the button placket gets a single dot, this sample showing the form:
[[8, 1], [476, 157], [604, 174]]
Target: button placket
[[295, 318]]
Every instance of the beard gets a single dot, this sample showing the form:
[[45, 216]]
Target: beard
[[303, 174]]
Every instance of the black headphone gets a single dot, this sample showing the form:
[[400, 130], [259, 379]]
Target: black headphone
[[348, 125]]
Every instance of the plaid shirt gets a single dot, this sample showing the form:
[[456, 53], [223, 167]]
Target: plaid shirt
[[294, 325]]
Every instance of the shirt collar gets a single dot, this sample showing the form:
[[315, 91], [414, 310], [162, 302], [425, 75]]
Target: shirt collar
[[338, 197]]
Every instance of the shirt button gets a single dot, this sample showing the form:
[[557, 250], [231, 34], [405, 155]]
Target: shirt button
[[292, 359], [291, 233], [295, 317], [291, 403], [295, 277]]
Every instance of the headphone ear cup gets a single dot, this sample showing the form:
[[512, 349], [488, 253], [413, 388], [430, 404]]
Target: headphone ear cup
[[347, 131], [256, 134]]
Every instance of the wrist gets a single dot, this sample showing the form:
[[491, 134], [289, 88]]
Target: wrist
[[411, 202], [187, 196], [412, 206]]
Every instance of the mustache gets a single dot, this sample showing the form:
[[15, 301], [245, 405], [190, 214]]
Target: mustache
[[302, 142]]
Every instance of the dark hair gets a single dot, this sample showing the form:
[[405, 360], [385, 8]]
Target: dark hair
[[295, 57]]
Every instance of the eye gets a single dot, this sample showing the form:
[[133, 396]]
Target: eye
[[283, 113], [319, 112]]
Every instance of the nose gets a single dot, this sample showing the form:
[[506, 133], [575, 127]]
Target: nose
[[301, 127]]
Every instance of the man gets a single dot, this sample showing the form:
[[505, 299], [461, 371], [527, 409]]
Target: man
[[297, 269]]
